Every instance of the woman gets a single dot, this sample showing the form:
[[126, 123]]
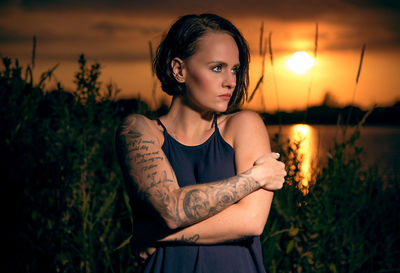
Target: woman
[[200, 180]]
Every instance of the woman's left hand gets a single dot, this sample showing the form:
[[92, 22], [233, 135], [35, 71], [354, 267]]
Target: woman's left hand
[[145, 236], [144, 254]]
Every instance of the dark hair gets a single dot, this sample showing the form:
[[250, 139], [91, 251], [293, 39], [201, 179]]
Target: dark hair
[[181, 41]]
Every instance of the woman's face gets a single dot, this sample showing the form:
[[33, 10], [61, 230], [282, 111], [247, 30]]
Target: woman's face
[[210, 74]]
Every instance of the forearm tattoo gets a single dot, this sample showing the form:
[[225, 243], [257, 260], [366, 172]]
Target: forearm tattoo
[[204, 201], [189, 240], [146, 167]]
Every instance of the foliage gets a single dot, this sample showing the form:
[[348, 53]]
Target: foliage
[[58, 158], [348, 221], [67, 209]]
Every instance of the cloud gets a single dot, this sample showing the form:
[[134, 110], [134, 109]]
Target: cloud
[[287, 10], [12, 36], [337, 11], [121, 29], [292, 10], [111, 28]]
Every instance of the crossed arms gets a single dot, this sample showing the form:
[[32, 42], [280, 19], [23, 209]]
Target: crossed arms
[[203, 213]]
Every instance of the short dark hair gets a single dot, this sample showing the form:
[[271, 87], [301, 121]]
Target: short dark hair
[[181, 41]]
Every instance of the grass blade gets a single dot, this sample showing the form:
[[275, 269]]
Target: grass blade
[[355, 87]]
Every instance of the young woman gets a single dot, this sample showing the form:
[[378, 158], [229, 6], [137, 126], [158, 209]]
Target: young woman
[[201, 181]]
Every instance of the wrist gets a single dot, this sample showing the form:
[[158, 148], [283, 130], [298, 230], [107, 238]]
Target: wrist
[[254, 176]]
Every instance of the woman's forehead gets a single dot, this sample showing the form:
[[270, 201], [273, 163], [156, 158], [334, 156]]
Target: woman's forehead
[[216, 45]]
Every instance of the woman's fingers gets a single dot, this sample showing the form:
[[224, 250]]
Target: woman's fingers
[[146, 253], [275, 155], [271, 172], [265, 157]]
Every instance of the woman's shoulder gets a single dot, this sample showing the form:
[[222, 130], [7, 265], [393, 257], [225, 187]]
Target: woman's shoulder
[[243, 124], [140, 124], [245, 118], [136, 121]]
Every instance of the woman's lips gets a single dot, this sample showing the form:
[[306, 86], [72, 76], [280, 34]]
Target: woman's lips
[[226, 96]]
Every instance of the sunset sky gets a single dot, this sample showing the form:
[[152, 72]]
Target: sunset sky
[[117, 34]]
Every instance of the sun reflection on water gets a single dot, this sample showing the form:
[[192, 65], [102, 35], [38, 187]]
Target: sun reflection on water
[[302, 134]]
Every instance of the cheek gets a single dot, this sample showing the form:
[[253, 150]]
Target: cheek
[[203, 83]]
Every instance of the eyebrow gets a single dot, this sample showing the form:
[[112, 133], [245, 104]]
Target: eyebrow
[[223, 63]]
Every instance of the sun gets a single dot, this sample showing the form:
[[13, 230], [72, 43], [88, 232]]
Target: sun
[[300, 62]]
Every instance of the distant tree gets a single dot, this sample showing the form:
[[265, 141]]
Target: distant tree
[[329, 99]]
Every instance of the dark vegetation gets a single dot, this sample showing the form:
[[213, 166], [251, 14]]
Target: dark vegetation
[[324, 114], [65, 208]]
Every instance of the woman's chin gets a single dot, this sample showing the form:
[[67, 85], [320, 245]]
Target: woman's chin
[[222, 108]]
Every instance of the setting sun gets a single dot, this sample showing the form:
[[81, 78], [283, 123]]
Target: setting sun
[[300, 62]]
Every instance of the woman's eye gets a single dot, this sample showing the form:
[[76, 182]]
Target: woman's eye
[[217, 68], [235, 70]]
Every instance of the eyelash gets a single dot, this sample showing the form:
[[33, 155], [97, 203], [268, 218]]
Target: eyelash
[[218, 68], [235, 70]]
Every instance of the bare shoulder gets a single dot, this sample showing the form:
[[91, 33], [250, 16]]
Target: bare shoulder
[[244, 119], [139, 125], [135, 121], [243, 126]]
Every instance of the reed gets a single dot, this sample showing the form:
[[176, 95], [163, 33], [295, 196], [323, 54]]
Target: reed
[[312, 73], [355, 86], [153, 75], [271, 58], [262, 53]]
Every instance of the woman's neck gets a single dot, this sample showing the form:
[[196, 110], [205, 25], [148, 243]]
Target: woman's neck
[[186, 122]]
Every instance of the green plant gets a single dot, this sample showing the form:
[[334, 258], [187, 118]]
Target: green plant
[[346, 223]]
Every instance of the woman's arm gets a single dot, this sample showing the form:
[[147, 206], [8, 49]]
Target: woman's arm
[[147, 169], [248, 216]]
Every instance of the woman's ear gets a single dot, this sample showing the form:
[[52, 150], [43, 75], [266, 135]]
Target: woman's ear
[[177, 66]]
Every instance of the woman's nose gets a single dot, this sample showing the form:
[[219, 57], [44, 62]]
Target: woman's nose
[[230, 80]]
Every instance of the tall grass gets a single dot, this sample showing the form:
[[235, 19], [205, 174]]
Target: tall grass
[[259, 85], [312, 72], [356, 84], [68, 210], [57, 155], [348, 221]]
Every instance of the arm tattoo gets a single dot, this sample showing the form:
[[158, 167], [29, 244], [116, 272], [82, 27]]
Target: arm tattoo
[[142, 164], [153, 180], [188, 240], [203, 202]]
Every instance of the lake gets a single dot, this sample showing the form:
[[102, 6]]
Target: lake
[[381, 145]]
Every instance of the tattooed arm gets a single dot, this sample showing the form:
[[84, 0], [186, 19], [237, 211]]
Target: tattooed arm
[[248, 216], [147, 169]]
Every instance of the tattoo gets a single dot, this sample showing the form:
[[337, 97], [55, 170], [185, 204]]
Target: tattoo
[[196, 204], [140, 159], [152, 179], [202, 203], [192, 239]]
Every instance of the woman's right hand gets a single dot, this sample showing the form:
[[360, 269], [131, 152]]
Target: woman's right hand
[[269, 172]]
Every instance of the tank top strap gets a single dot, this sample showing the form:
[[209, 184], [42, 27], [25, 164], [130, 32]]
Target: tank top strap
[[162, 125]]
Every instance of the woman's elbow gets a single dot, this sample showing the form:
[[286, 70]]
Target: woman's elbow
[[256, 225], [256, 229], [170, 222]]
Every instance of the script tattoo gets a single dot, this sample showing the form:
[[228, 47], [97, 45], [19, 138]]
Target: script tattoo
[[153, 180], [141, 163], [188, 240]]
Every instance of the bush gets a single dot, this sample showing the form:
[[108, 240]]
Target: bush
[[348, 221]]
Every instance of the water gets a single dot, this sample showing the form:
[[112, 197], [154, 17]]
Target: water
[[381, 145]]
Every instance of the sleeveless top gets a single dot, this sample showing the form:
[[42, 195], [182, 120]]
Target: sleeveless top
[[210, 161]]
